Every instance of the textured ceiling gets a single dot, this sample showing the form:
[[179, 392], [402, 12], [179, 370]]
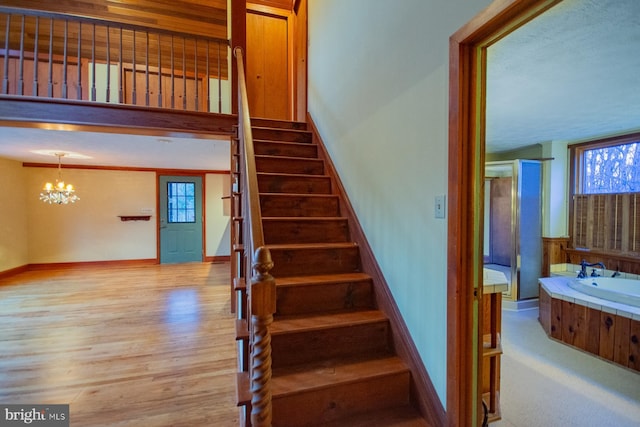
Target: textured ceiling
[[571, 74], [111, 149]]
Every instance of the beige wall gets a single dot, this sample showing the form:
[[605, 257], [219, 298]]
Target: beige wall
[[90, 229], [13, 221], [218, 215], [378, 91], [33, 232]]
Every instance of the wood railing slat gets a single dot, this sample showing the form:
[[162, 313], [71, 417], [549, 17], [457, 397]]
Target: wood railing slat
[[94, 56]]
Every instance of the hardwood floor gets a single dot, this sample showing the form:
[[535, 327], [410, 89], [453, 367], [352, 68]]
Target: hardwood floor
[[150, 345]]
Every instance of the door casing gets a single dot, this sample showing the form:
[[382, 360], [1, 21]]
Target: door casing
[[467, 100]]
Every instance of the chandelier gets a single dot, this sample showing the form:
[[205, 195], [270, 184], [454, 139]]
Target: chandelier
[[58, 193]]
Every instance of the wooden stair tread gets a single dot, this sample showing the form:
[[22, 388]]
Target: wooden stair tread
[[293, 246], [320, 321], [275, 123], [397, 416], [304, 218], [291, 158], [294, 195], [293, 175], [256, 127], [317, 375], [321, 279]]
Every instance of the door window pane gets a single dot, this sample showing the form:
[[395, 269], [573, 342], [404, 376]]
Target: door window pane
[[181, 204]]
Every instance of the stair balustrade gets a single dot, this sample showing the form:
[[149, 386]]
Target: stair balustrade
[[252, 257], [62, 56]]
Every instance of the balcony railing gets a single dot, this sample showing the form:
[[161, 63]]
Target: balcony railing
[[69, 57]]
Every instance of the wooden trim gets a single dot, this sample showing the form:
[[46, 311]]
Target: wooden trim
[[85, 264], [13, 271], [280, 4], [238, 39], [217, 259], [466, 154], [300, 60], [553, 252], [127, 169], [423, 392], [48, 113]]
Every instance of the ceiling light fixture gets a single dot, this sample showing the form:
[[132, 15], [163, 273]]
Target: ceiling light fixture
[[58, 193]]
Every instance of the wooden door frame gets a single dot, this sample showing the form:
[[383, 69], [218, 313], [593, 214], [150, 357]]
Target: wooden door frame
[[467, 100]]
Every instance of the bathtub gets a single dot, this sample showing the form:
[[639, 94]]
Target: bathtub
[[625, 291]]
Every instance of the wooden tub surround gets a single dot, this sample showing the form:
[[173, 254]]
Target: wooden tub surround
[[606, 329]]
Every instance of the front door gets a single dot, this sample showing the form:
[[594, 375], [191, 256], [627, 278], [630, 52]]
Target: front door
[[180, 219]]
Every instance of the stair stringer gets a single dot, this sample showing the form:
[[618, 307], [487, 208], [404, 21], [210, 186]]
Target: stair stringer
[[423, 393]]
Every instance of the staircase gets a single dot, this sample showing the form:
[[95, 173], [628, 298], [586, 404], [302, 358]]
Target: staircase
[[333, 358]]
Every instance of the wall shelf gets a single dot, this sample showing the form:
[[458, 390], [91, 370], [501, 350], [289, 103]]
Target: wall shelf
[[134, 217]]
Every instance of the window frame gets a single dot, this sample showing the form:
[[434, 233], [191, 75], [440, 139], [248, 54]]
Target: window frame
[[576, 187], [576, 154]]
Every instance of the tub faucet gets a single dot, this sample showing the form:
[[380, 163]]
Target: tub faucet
[[583, 269], [616, 273]]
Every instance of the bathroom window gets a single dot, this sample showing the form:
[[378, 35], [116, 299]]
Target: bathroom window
[[612, 169], [604, 214], [608, 166]]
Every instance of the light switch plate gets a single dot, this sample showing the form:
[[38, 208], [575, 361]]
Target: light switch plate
[[441, 206]]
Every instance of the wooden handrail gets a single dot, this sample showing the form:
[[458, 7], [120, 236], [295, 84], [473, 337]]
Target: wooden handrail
[[246, 137], [257, 258]]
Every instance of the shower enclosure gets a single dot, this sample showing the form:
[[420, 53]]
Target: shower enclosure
[[513, 226]]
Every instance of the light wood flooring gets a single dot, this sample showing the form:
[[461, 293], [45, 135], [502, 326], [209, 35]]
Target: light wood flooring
[[130, 346]]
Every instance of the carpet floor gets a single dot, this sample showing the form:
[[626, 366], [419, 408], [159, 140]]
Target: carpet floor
[[546, 383]]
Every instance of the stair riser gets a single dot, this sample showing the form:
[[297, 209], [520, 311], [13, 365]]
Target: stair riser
[[329, 404], [326, 297], [299, 231], [294, 262], [314, 345], [270, 148], [287, 165], [284, 135], [277, 205], [293, 184]]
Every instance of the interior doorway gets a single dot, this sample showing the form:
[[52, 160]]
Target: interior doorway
[[180, 219], [467, 101], [268, 63]]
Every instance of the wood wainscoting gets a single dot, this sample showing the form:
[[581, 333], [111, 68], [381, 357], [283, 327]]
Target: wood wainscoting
[[139, 345], [553, 252]]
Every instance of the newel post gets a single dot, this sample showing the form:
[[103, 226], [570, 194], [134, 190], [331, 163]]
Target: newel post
[[263, 305]]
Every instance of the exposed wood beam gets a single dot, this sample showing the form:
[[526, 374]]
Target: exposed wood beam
[[54, 113]]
